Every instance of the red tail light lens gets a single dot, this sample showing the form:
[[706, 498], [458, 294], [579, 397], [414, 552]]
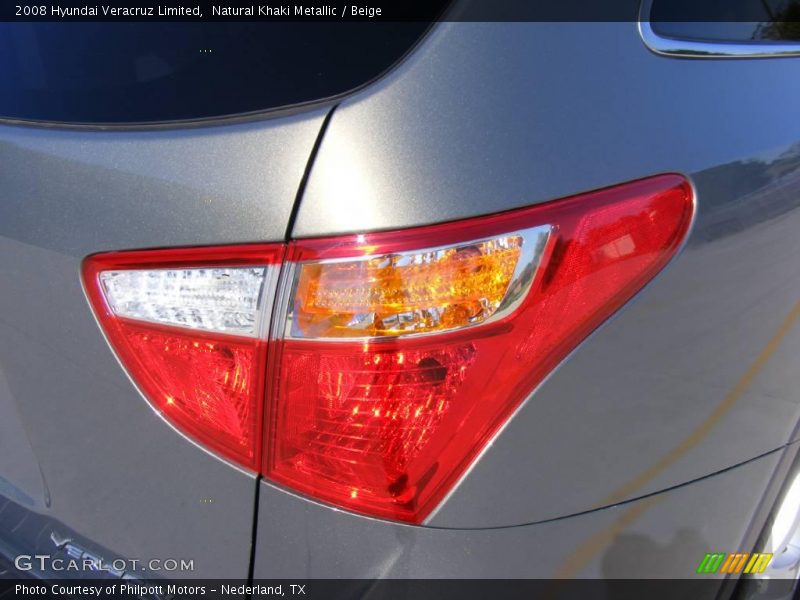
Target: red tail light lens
[[396, 356], [386, 424], [208, 386]]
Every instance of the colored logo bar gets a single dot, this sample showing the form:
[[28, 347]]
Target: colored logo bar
[[737, 562]]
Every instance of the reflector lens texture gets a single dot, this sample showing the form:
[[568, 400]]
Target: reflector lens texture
[[362, 424], [209, 387], [221, 300]]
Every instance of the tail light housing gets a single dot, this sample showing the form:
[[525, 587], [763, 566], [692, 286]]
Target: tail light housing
[[374, 370], [188, 325]]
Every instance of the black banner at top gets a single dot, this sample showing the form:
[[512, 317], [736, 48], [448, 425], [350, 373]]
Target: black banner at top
[[402, 10]]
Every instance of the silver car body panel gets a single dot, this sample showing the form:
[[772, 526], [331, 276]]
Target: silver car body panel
[[79, 445]]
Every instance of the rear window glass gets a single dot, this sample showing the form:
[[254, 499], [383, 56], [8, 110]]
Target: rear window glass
[[123, 73]]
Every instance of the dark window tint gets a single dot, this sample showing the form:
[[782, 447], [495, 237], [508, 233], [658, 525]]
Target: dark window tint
[[727, 20], [145, 72]]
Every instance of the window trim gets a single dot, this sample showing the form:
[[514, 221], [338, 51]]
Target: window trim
[[667, 46]]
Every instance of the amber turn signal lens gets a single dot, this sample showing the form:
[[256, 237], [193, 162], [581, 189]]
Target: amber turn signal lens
[[432, 290]]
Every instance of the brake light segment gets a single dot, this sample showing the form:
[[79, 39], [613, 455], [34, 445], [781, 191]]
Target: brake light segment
[[402, 353], [189, 325]]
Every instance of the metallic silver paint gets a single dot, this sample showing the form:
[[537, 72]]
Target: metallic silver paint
[[184, 187], [662, 536], [112, 472], [492, 116]]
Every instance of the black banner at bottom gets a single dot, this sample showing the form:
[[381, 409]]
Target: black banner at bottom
[[395, 589]]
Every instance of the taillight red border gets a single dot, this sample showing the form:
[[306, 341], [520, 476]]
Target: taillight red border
[[476, 228]]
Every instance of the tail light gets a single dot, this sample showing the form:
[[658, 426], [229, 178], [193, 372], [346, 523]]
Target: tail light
[[393, 357]]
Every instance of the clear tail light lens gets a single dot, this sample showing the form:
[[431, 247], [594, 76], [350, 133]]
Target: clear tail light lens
[[394, 357], [223, 300]]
